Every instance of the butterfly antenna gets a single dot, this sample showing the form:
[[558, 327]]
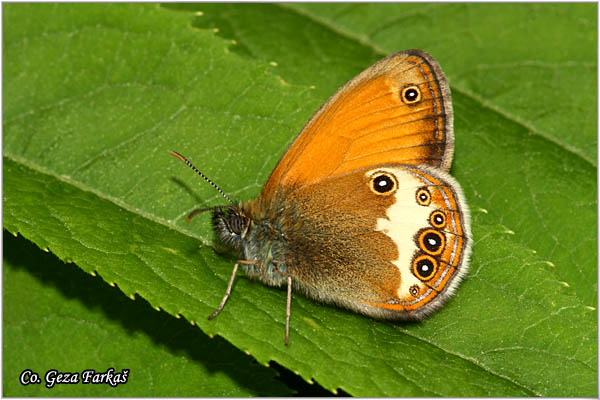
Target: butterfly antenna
[[189, 164]]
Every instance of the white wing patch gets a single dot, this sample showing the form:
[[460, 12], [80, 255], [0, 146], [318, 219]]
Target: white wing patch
[[404, 219]]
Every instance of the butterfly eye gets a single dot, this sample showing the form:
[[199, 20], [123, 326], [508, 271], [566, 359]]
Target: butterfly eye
[[437, 219], [424, 267], [411, 94], [383, 183], [423, 197], [237, 224], [431, 241]]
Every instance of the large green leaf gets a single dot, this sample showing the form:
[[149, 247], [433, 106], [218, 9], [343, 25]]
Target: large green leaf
[[57, 318], [512, 92], [95, 95]]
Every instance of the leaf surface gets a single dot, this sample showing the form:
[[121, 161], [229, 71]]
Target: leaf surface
[[97, 96], [57, 318]]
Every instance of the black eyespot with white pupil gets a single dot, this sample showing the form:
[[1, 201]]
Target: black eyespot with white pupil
[[383, 184], [424, 267], [438, 219], [423, 197], [411, 94], [414, 291], [431, 241]]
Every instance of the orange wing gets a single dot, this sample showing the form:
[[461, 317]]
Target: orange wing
[[396, 111]]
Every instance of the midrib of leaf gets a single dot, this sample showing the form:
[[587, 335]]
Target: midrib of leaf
[[365, 41], [100, 194], [518, 121]]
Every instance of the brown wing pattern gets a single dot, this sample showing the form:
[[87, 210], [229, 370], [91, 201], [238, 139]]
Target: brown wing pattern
[[352, 247], [367, 122]]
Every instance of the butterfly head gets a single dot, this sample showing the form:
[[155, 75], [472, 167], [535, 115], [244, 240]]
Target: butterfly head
[[231, 226], [230, 223]]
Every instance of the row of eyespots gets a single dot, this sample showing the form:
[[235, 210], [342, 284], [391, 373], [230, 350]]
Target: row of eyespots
[[431, 242]]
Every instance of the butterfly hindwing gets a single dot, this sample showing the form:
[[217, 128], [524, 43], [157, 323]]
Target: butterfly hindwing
[[391, 239]]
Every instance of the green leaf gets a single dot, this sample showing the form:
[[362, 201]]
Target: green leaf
[[514, 111], [96, 95], [57, 318]]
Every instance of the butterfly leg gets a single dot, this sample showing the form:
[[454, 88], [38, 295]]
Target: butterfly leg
[[229, 286], [288, 310]]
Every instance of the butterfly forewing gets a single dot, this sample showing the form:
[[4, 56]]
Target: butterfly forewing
[[398, 110]]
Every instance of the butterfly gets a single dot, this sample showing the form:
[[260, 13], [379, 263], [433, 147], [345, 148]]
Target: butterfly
[[360, 211]]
